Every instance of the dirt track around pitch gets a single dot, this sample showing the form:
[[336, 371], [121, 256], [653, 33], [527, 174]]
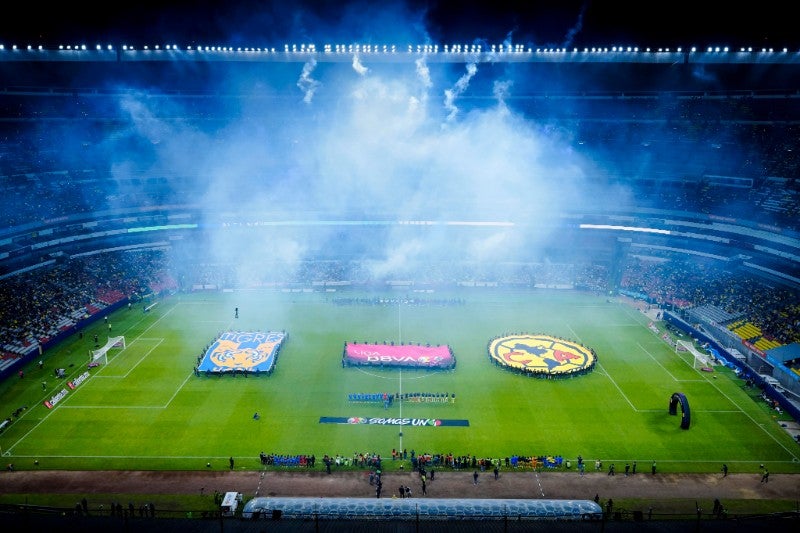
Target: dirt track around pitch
[[446, 484]]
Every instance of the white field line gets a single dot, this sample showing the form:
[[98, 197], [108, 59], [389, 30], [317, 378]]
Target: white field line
[[178, 389], [740, 409], [657, 362], [577, 337], [128, 373], [794, 455], [606, 373], [617, 387], [35, 426], [667, 371]]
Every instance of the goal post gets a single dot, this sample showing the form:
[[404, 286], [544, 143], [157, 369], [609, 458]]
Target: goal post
[[100, 356], [700, 359]]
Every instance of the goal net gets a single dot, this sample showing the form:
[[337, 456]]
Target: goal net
[[100, 356], [700, 359]]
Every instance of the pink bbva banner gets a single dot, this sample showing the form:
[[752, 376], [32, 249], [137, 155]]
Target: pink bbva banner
[[400, 355]]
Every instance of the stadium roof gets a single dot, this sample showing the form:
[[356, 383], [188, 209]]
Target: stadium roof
[[464, 30], [394, 53]]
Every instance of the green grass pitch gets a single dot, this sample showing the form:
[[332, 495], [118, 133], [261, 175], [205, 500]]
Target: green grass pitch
[[147, 410]]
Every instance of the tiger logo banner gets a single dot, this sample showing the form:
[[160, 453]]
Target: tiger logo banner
[[243, 351]]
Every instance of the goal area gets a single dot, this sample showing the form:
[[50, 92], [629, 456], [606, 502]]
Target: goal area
[[700, 359], [100, 356]]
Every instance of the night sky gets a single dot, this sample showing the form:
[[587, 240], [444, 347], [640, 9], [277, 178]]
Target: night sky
[[544, 24]]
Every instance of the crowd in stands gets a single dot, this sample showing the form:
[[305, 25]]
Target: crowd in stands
[[44, 196], [592, 278], [668, 166], [37, 305], [38, 198], [45, 178], [683, 283], [424, 276]]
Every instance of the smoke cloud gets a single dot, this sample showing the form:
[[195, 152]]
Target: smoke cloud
[[306, 83], [461, 85], [362, 168], [358, 67]]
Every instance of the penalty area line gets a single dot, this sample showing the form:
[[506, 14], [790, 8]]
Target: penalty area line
[[605, 372]]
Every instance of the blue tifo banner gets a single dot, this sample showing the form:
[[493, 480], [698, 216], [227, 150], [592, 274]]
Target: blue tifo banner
[[253, 351], [375, 421]]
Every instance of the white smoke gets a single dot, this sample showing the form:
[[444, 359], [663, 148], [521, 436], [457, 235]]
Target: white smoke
[[358, 67], [368, 173], [461, 85], [423, 73], [501, 89], [306, 83], [416, 103]]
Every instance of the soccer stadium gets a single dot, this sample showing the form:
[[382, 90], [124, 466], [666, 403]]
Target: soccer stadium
[[537, 287]]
